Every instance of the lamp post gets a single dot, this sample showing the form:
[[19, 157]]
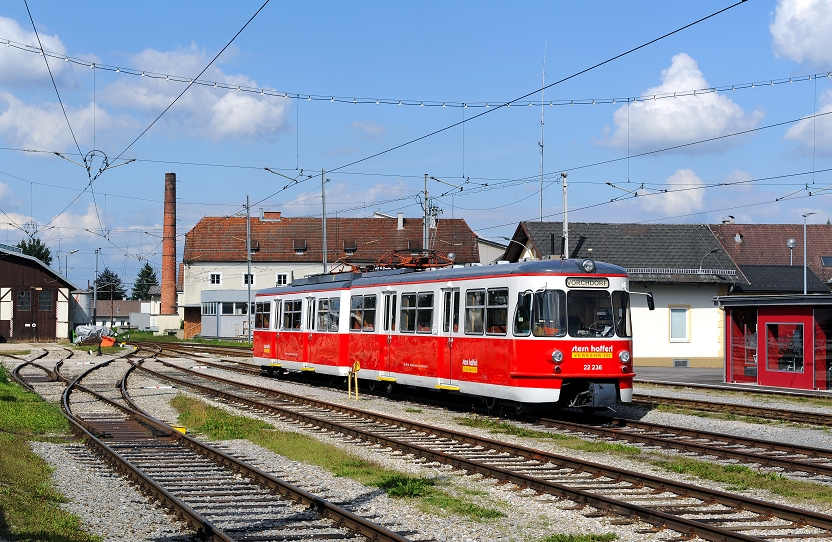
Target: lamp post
[[804, 250], [712, 251], [66, 262], [791, 242]]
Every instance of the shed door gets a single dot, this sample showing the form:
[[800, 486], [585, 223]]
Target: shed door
[[45, 314], [24, 316]]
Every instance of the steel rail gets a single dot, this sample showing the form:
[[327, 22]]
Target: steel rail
[[797, 416], [280, 487], [617, 428], [660, 519]]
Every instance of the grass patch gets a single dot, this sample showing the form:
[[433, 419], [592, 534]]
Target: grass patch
[[29, 506], [15, 352], [740, 478], [606, 537], [220, 425], [567, 441], [414, 410], [139, 336]]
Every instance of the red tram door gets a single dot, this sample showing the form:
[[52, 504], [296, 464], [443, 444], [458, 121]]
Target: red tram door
[[388, 327], [449, 330]]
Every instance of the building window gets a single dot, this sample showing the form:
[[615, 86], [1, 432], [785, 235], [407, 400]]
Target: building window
[[227, 308], [209, 309], [826, 261], [784, 347], [24, 301], [216, 279], [45, 301], [280, 279], [240, 308], [248, 279], [679, 324]]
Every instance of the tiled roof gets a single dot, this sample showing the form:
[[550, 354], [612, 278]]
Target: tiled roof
[[218, 239], [665, 253], [782, 279], [765, 244], [120, 308]]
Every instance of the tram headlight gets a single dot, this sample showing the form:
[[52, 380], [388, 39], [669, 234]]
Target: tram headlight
[[557, 356], [588, 266], [624, 356]]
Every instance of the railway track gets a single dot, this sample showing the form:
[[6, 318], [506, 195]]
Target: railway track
[[787, 458], [221, 497], [600, 490]]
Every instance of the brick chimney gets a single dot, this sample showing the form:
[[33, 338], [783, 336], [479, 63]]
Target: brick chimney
[[169, 247]]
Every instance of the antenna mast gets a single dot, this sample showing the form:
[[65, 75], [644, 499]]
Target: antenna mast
[[542, 126]]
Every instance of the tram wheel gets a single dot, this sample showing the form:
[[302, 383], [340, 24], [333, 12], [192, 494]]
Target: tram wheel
[[490, 403], [388, 388], [372, 385]]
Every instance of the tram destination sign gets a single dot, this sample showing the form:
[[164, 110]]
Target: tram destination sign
[[587, 282]]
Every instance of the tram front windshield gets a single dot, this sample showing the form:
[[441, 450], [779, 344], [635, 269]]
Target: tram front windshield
[[598, 313]]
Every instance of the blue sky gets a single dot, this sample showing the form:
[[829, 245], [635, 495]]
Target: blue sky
[[452, 53]]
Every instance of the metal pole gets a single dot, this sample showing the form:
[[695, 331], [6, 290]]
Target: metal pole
[[542, 129], [565, 217], [425, 229], [95, 290], [323, 214], [804, 254], [248, 262]]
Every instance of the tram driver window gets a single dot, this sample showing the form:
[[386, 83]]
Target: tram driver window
[[549, 313], [590, 313]]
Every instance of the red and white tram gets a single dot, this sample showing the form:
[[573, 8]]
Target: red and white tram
[[550, 331]]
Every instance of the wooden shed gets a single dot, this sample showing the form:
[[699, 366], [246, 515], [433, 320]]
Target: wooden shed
[[34, 299]]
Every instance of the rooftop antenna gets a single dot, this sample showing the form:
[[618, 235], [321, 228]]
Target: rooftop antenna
[[542, 126]]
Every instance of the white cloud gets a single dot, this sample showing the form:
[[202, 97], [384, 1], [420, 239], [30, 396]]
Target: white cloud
[[815, 133], [5, 192], [802, 31], [674, 201], [44, 127], [665, 122], [75, 222], [22, 68], [202, 111], [369, 128], [739, 180]]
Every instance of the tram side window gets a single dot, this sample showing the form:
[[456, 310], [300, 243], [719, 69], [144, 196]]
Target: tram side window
[[474, 312], [292, 312], [523, 315], [390, 312], [449, 320], [363, 313], [621, 313], [334, 313], [323, 315], [262, 315], [549, 314], [408, 319], [496, 312], [424, 312], [310, 314]]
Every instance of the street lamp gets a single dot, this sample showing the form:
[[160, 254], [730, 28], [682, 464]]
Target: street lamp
[[791, 242], [712, 251], [66, 262], [804, 249]]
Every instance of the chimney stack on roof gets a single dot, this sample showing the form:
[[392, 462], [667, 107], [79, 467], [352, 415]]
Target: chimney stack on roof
[[400, 225], [169, 247], [270, 215]]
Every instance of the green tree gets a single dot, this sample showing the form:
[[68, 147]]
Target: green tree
[[36, 248], [110, 285], [146, 279]]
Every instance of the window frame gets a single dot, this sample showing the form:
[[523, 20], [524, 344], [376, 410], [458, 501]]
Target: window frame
[[277, 278], [41, 295], [687, 312], [209, 308], [293, 310], [472, 310], [24, 295], [407, 313], [246, 276], [358, 303], [262, 308], [489, 307], [211, 276], [420, 309]]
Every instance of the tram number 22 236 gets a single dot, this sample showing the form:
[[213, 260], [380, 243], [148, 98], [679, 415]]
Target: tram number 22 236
[[593, 367]]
